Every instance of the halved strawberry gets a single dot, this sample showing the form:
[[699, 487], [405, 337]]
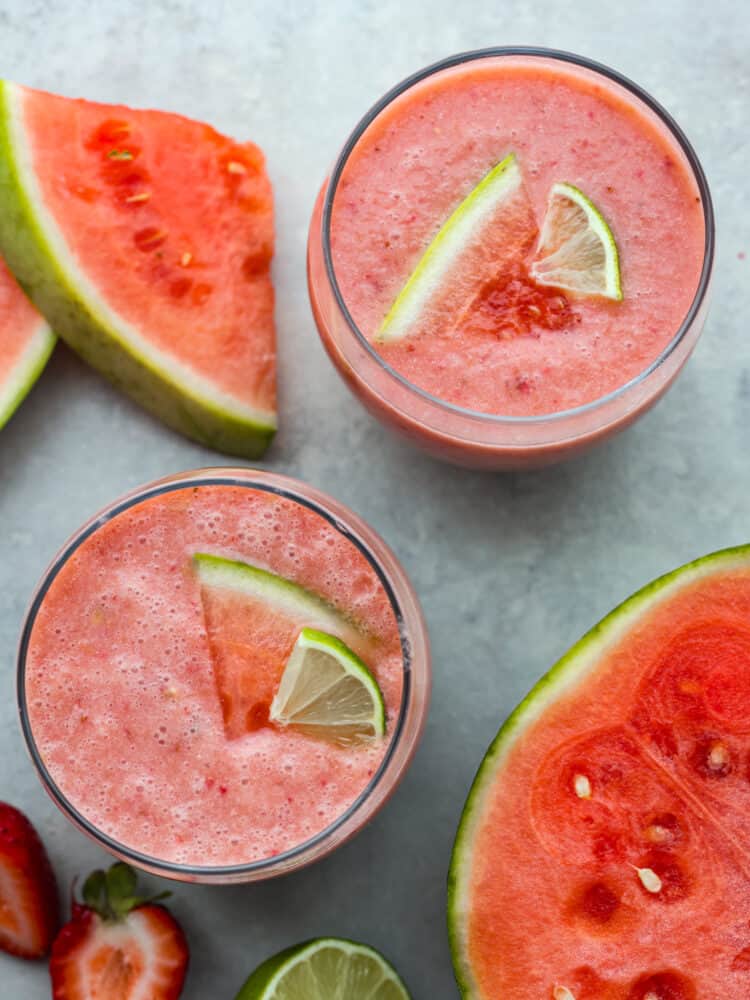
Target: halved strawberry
[[118, 946], [29, 908]]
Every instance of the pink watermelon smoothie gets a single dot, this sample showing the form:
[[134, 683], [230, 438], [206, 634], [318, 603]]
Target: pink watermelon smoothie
[[128, 675], [422, 157], [494, 345]]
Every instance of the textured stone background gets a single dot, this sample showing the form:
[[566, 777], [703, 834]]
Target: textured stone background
[[511, 569]]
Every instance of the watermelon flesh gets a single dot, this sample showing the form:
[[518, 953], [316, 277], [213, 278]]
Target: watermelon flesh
[[250, 643], [604, 851], [146, 239], [26, 343]]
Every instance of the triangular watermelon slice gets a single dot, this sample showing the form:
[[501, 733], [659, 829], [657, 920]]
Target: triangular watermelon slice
[[26, 343], [484, 241], [146, 238], [604, 852], [253, 619]]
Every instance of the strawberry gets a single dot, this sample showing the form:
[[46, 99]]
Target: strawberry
[[118, 946], [29, 909]]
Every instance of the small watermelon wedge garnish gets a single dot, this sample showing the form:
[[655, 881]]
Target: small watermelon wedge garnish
[[253, 620], [486, 235], [145, 239], [604, 853], [26, 343]]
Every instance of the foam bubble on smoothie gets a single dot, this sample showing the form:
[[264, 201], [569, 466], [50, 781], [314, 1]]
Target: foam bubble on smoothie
[[122, 696]]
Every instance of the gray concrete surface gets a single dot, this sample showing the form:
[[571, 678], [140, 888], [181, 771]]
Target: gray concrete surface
[[511, 569]]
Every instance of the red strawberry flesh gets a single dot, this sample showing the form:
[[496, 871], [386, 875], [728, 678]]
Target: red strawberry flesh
[[29, 907], [122, 952]]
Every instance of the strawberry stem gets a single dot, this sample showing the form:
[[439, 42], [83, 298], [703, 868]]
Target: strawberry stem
[[112, 894]]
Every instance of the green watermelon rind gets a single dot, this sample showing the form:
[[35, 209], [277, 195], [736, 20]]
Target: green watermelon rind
[[256, 987], [240, 577], [26, 371], [570, 670], [61, 296]]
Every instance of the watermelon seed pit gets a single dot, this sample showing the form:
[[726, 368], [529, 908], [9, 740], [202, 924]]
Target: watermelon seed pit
[[711, 758], [562, 993], [658, 834], [149, 238], [119, 154], [110, 131], [690, 686], [663, 828], [599, 903]]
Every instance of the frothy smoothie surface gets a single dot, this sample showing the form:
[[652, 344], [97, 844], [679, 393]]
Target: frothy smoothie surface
[[523, 350], [121, 679]]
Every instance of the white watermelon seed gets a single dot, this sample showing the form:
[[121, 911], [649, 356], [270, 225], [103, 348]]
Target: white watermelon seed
[[658, 834], [582, 786], [143, 196], [718, 756], [649, 879], [185, 259], [236, 168], [562, 993]]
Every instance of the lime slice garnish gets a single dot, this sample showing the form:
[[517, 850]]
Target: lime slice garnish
[[325, 969], [577, 251], [466, 227], [328, 691]]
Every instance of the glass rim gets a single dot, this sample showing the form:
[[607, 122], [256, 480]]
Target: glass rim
[[280, 485], [583, 62]]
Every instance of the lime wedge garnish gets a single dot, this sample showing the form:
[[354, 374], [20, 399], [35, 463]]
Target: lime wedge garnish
[[325, 969], [467, 227], [577, 251], [328, 691]]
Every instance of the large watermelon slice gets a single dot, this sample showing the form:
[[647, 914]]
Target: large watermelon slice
[[26, 343], [146, 239], [604, 851]]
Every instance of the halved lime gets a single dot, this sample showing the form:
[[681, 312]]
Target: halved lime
[[325, 969], [468, 243], [328, 691], [577, 251]]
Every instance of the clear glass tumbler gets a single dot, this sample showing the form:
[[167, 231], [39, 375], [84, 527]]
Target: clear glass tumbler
[[463, 436], [416, 678]]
